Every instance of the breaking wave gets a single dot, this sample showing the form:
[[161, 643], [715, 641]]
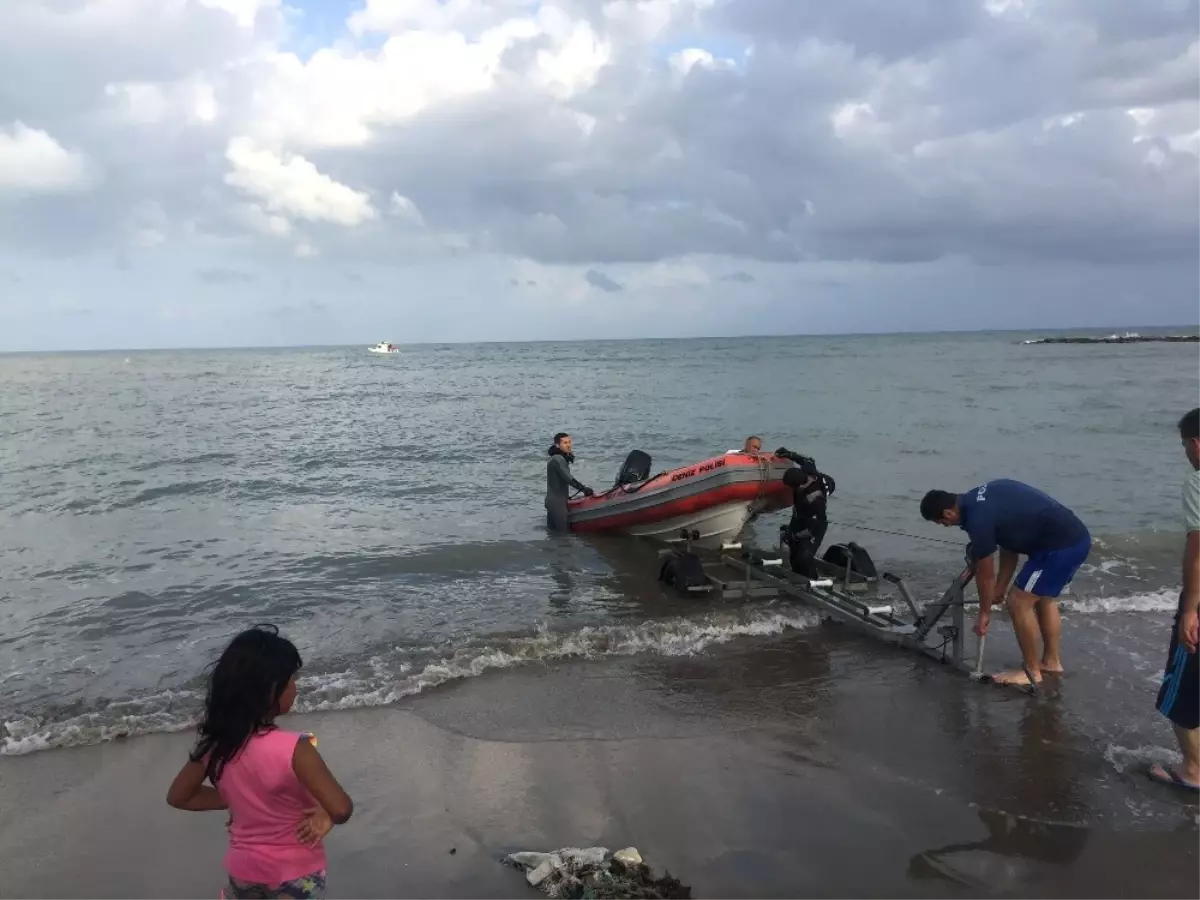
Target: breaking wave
[[388, 677], [1165, 600]]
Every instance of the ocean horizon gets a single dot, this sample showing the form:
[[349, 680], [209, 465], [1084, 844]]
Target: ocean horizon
[[1080, 329]]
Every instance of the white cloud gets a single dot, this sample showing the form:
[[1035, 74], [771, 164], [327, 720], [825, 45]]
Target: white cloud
[[576, 64], [404, 209], [144, 103], [683, 61], [290, 184], [155, 103], [33, 162], [255, 218], [651, 142], [469, 16], [644, 21], [342, 95], [244, 12]]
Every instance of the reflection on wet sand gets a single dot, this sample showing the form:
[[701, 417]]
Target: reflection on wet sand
[[1035, 765], [1016, 854]]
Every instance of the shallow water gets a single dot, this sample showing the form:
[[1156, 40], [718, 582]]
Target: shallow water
[[386, 512]]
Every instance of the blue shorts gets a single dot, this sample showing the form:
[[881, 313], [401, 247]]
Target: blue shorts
[[1046, 574]]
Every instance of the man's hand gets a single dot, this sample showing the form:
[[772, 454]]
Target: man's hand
[[999, 593], [1189, 626], [982, 620], [588, 492]]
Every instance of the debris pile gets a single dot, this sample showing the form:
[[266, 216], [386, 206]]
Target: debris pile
[[594, 872]]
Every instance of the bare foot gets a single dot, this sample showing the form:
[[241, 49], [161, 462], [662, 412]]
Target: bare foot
[[1168, 775], [1015, 677], [1052, 668]]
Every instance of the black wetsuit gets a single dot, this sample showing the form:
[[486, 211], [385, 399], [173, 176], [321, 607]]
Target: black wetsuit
[[806, 530], [558, 488]]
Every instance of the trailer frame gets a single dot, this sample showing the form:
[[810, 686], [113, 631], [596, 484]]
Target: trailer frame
[[847, 597]]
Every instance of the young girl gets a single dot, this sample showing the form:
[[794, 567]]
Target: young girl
[[281, 797]]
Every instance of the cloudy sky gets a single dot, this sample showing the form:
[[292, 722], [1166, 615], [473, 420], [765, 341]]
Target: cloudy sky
[[248, 172]]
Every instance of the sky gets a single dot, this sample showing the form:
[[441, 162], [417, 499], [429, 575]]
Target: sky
[[180, 173]]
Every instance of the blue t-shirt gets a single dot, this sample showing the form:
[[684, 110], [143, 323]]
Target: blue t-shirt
[[1019, 518]]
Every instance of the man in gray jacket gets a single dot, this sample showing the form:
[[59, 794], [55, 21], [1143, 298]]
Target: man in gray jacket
[[559, 483]]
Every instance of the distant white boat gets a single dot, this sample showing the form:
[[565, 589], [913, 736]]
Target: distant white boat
[[383, 347]]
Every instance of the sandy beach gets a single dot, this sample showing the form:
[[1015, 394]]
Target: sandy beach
[[747, 773]]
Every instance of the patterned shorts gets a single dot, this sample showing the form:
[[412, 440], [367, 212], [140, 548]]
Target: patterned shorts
[[297, 889]]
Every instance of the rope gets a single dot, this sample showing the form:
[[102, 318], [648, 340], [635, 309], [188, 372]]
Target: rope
[[763, 472], [904, 534]]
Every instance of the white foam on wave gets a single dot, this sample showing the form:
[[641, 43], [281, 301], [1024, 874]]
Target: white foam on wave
[[1165, 600], [1124, 758], [1120, 567], [673, 637], [389, 681], [163, 712]]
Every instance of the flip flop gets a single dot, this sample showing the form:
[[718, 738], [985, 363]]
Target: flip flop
[[1170, 776]]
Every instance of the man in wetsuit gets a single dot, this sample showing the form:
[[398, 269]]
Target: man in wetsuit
[[1179, 694], [811, 490], [1019, 520], [559, 483]]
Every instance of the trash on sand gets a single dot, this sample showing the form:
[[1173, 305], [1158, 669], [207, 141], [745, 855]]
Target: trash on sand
[[628, 857], [594, 872]]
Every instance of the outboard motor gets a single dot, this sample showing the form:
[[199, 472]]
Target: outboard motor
[[636, 468], [683, 570], [854, 558]]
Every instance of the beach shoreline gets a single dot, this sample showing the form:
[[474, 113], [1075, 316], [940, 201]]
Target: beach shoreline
[[734, 801]]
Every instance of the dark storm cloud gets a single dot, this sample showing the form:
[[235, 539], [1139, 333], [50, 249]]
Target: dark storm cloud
[[599, 279]]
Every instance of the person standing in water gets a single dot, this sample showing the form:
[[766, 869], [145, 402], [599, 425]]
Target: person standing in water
[[811, 490], [559, 483], [1018, 520], [282, 798], [1179, 695]]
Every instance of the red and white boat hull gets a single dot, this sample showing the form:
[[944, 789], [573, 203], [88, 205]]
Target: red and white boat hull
[[715, 497]]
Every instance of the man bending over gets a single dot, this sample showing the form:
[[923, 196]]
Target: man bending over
[[1018, 520]]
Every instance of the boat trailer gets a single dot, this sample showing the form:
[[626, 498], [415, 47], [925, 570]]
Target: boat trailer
[[841, 594]]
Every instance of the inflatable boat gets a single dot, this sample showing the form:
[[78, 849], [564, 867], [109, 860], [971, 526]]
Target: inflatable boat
[[715, 497]]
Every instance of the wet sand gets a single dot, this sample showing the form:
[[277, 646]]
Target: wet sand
[[808, 766]]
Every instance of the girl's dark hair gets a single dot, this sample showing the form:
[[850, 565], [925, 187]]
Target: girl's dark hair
[[243, 694]]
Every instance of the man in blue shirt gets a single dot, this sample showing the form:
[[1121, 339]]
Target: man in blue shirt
[[1018, 520]]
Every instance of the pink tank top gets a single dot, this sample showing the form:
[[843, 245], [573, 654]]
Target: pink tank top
[[267, 801]]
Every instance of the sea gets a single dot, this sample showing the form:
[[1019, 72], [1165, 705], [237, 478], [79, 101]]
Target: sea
[[386, 511]]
